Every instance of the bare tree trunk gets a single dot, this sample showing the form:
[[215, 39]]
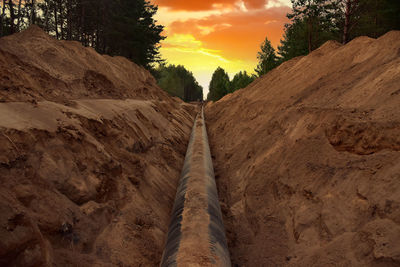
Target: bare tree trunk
[[346, 21], [83, 33], [309, 26], [3, 11], [69, 20], [33, 12], [376, 20], [46, 16], [309, 35], [12, 16], [103, 21], [350, 8], [19, 15], [56, 21], [97, 44], [61, 20]]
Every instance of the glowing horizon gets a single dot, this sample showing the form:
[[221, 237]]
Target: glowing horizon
[[227, 33]]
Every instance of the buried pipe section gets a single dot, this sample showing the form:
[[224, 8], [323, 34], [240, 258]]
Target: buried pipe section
[[196, 235]]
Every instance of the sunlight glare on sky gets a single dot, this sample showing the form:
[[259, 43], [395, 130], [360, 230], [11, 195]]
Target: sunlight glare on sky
[[204, 35]]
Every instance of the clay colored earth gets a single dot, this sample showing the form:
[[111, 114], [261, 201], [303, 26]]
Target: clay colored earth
[[306, 158]]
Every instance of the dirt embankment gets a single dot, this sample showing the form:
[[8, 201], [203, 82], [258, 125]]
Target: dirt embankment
[[34, 66], [307, 159], [88, 169]]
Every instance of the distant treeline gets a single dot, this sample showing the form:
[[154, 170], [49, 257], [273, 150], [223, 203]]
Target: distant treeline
[[179, 82], [221, 85], [118, 28], [127, 28], [312, 23], [124, 27]]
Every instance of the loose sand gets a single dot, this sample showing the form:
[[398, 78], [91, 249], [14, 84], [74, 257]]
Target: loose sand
[[34, 66], [88, 169], [307, 159]]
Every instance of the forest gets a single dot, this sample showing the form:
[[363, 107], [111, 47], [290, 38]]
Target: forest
[[128, 28], [312, 23], [124, 28], [179, 82], [117, 28]]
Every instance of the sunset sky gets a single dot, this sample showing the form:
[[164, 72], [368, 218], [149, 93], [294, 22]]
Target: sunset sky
[[203, 35]]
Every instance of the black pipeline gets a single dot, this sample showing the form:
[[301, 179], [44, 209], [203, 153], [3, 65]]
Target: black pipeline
[[196, 235]]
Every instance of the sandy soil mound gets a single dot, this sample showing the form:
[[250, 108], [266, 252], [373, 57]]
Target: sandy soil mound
[[84, 181], [307, 159], [34, 66]]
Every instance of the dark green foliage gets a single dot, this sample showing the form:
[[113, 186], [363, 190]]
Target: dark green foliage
[[267, 59], [293, 43], [313, 22], [178, 81], [374, 18], [240, 80], [219, 85], [132, 32], [115, 27], [317, 20]]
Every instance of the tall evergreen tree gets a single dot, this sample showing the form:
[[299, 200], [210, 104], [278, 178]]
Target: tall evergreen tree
[[313, 22], [374, 18], [240, 80], [317, 17], [2, 17], [219, 85], [349, 10], [178, 81], [122, 27], [293, 43], [132, 31], [267, 59]]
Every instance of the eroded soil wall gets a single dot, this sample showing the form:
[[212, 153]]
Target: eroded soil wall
[[307, 159]]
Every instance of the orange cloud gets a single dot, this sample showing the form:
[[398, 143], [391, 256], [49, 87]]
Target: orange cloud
[[203, 35], [188, 5], [236, 34]]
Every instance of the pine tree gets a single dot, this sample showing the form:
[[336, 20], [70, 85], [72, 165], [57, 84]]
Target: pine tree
[[374, 18], [293, 43], [240, 80], [349, 9], [179, 82], [317, 16], [2, 17], [219, 85], [124, 27], [267, 59], [132, 31]]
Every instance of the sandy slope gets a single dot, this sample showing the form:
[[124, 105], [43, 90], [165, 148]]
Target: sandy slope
[[88, 169], [307, 159], [35, 66]]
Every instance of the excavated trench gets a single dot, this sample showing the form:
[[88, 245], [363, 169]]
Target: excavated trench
[[308, 159], [196, 233]]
